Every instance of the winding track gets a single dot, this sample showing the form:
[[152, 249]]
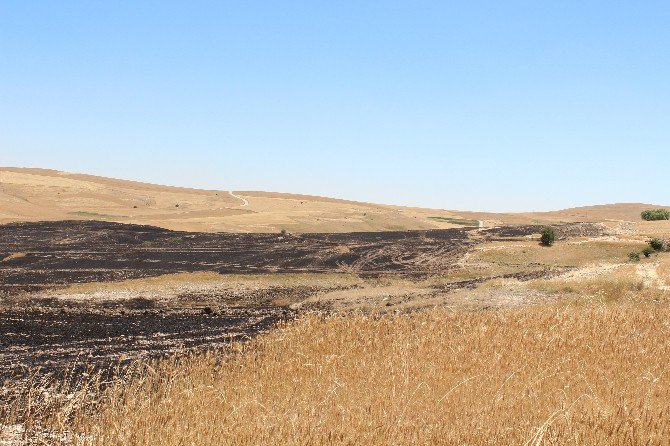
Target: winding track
[[245, 202]]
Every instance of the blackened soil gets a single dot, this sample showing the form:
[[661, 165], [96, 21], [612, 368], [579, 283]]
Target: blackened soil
[[35, 332], [65, 252], [52, 340]]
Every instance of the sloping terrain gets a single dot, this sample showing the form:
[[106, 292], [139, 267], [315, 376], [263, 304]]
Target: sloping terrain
[[40, 195], [104, 289], [48, 195], [94, 297]]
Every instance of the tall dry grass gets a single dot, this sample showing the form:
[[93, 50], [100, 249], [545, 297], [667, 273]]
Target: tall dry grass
[[595, 374]]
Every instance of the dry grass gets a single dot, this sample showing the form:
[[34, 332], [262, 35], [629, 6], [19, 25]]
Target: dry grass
[[607, 290], [37, 194], [650, 229], [664, 267], [592, 374], [16, 255], [207, 278], [524, 254], [612, 283], [40, 409]]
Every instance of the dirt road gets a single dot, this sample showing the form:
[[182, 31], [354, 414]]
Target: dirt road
[[245, 202]]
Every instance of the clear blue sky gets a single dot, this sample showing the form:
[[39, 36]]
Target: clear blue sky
[[468, 105]]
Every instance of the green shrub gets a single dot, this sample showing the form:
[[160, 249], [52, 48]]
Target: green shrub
[[648, 251], [548, 237], [656, 244], [656, 214], [634, 257]]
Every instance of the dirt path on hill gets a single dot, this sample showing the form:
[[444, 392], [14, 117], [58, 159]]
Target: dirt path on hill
[[245, 202]]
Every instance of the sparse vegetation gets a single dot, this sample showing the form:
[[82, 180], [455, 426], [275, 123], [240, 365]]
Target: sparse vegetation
[[634, 257], [656, 214], [16, 255], [548, 237], [656, 244], [456, 221], [621, 284], [648, 251], [97, 215], [522, 255]]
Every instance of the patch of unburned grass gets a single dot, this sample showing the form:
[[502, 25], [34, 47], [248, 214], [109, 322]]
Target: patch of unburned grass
[[456, 275], [16, 255], [96, 215], [476, 272], [208, 278], [456, 221], [612, 284], [653, 228], [605, 289], [561, 254], [664, 266]]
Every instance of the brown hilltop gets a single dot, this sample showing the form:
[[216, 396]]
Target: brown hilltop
[[28, 194]]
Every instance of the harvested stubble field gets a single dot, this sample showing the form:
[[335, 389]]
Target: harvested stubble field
[[576, 373]]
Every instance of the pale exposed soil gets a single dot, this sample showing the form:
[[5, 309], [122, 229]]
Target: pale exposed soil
[[649, 274]]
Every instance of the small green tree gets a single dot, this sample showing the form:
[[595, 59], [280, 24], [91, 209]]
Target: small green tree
[[548, 237], [656, 214], [656, 244]]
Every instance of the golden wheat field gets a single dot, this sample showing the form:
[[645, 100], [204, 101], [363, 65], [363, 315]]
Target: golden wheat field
[[580, 373]]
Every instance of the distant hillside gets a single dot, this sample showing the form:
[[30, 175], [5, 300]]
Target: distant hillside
[[40, 194]]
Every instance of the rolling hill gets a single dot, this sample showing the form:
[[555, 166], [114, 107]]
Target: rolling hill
[[28, 194]]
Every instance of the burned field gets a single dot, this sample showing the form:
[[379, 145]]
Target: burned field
[[37, 259], [38, 331], [52, 254]]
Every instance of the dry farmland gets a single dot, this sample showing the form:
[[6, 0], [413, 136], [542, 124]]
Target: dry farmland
[[123, 334]]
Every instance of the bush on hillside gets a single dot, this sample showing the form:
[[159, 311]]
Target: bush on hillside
[[634, 257], [656, 244], [648, 251], [656, 214], [548, 237]]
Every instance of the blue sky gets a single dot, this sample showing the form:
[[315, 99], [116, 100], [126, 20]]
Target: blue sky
[[457, 105]]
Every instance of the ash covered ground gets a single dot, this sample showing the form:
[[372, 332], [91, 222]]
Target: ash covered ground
[[39, 331]]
